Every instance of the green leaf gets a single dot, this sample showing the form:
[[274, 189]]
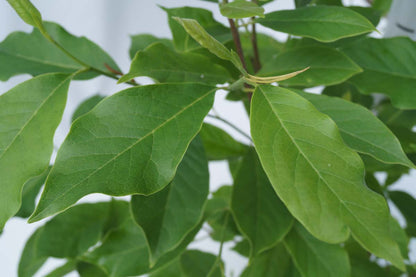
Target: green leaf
[[328, 2], [30, 191], [302, 3], [389, 68], [328, 66], [70, 234], [86, 106], [198, 33], [196, 263], [382, 5], [392, 116], [175, 67], [63, 270], [406, 204], [27, 12], [89, 270], [219, 145], [259, 213], [314, 257], [142, 41], [44, 57], [172, 269], [275, 262], [323, 23], [128, 144], [361, 129], [350, 93], [167, 216], [29, 116], [184, 41], [241, 9], [316, 175]]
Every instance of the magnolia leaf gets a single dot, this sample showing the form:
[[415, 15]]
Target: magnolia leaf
[[45, 57], [323, 23], [241, 9], [316, 258], [175, 67], [142, 41], [28, 13], [128, 144], [197, 263], [259, 213], [361, 129], [316, 175], [389, 68], [327, 66], [185, 196], [219, 145], [29, 116], [86, 106]]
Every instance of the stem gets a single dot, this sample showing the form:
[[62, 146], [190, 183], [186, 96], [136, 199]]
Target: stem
[[256, 59], [218, 260], [231, 125]]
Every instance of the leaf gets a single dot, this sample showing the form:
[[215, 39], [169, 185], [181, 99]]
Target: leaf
[[175, 67], [406, 204], [316, 175], [316, 258], [70, 234], [241, 9], [27, 12], [63, 270], [350, 93], [392, 116], [360, 129], [197, 263], [184, 41], [142, 41], [389, 68], [121, 147], [198, 33], [89, 270], [327, 66], [219, 145], [172, 269], [44, 57], [323, 23], [167, 216], [30, 191], [29, 116], [275, 262], [382, 5], [259, 213], [86, 106]]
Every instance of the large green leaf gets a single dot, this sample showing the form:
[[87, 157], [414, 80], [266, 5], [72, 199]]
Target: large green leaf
[[128, 144], [323, 23], [219, 145], [142, 41], [241, 9], [275, 262], [16, 57], [175, 67], [361, 129], [259, 213], [167, 216], [185, 42], [328, 66], [314, 257], [29, 193], [29, 116], [389, 67], [316, 175], [196, 263], [71, 234]]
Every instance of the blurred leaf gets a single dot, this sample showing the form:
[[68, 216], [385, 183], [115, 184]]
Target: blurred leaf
[[142, 41], [241, 9], [382, 5], [89, 270], [196, 263], [350, 93], [86, 106], [323, 23], [406, 204], [121, 146]]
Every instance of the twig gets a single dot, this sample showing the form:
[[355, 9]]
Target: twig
[[256, 58]]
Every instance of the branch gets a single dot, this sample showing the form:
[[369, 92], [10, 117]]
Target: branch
[[256, 58]]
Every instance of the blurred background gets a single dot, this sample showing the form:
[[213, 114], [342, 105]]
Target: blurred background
[[110, 24]]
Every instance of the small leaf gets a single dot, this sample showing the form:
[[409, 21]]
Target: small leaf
[[310, 168], [86, 106], [27, 12], [389, 68], [382, 5], [361, 129], [259, 213], [219, 145], [142, 41], [29, 116], [121, 146], [316, 258], [275, 262], [167, 216], [175, 67], [327, 66], [45, 57], [323, 23], [406, 204], [196, 263], [241, 9]]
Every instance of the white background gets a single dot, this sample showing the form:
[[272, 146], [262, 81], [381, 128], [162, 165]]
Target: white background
[[109, 24]]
